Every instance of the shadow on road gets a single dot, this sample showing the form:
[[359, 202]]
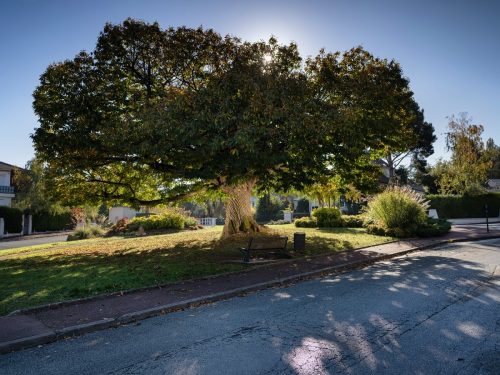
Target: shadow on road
[[383, 319]]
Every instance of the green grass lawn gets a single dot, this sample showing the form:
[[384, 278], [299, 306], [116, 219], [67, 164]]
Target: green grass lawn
[[67, 270]]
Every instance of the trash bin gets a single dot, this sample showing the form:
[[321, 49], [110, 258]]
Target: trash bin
[[299, 241]]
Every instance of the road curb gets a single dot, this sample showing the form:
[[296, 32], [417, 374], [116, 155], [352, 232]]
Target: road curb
[[129, 318], [27, 342], [35, 235]]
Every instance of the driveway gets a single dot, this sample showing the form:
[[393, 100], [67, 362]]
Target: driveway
[[31, 241], [431, 312]]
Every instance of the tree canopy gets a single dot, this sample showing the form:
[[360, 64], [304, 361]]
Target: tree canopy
[[417, 142], [152, 116], [33, 189], [468, 168], [492, 153]]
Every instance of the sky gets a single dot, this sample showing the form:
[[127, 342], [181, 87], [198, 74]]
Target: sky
[[450, 50]]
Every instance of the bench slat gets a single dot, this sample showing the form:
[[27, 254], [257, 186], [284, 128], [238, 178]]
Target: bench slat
[[258, 244]]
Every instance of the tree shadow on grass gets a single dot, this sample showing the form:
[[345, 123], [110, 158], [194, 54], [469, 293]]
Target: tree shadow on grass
[[316, 245], [40, 279], [342, 230]]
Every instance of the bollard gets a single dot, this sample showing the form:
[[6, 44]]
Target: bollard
[[299, 241], [2, 227]]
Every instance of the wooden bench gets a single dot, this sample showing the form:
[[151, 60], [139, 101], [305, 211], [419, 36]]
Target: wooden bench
[[265, 244]]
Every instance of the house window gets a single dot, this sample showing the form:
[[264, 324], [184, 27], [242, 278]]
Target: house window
[[4, 179]]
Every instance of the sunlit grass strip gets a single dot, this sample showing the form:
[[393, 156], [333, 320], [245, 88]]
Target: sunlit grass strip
[[57, 272]]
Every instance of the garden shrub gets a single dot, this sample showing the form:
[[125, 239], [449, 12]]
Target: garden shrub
[[120, 226], [306, 222], [398, 211], [376, 230], [13, 219], [299, 215], [171, 219], [90, 231], [352, 221], [433, 228], [190, 222], [328, 217], [465, 206], [390, 232]]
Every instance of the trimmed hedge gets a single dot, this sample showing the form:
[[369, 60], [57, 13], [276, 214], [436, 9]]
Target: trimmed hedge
[[45, 222], [13, 219], [167, 220], [431, 228], [306, 222], [327, 217], [352, 221], [466, 206]]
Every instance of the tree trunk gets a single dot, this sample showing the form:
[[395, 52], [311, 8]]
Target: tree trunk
[[239, 216], [390, 169]]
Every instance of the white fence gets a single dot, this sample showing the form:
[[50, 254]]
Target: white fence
[[207, 221]]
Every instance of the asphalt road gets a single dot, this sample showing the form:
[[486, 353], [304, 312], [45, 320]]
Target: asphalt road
[[432, 312], [32, 241]]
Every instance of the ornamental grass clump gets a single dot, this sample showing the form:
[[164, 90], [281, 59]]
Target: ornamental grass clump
[[89, 231], [398, 212]]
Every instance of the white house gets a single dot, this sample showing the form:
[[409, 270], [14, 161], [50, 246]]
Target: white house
[[121, 212], [6, 188]]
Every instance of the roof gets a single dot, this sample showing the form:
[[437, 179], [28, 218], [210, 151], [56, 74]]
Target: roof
[[7, 167], [493, 183]]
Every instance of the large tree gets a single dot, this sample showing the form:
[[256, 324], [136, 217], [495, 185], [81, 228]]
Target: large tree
[[492, 153], [372, 94], [152, 116], [417, 142], [468, 168], [33, 189]]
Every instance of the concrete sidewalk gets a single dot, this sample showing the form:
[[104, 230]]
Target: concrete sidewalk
[[48, 323]]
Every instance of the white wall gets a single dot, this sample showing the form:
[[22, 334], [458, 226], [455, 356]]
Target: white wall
[[5, 201], [117, 213]]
